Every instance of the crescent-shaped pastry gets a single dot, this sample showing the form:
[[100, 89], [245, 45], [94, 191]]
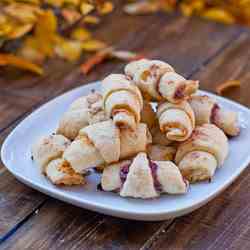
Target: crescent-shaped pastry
[[143, 178], [122, 101], [207, 110], [158, 152], [82, 112], [48, 148], [103, 143], [206, 149], [158, 81], [60, 172], [47, 153], [96, 144], [133, 142], [176, 120], [146, 74]]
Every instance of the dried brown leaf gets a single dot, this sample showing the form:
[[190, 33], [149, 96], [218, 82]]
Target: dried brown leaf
[[95, 60], [227, 85]]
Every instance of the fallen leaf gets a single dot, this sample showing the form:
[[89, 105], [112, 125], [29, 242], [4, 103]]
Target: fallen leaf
[[11, 60], [219, 15], [105, 8], [126, 55], [86, 8], [69, 49], [20, 31], [89, 19], [80, 34], [95, 60], [141, 8], [108, 53], [93, 45], [71, 16], [227, 85]]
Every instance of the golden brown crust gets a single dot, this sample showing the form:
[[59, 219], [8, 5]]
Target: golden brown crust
[[176, 120]]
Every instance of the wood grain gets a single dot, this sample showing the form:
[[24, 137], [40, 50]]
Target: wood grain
[[224, 222], [68, 227], [221, 224], [12, 106], [189, 45], [176, 32], [16, 202], [232, 63]]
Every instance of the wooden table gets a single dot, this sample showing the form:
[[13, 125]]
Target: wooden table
[[198, 49]]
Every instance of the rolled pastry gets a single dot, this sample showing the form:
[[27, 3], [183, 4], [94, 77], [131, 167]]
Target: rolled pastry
[[158, 81], [158, 152], [176, 120], [103, 143], [82, 112], [143, 178], [207, 110], [47, 153], [122, 101], [133, 142], [199, 156], [96, 144], [60, 172]]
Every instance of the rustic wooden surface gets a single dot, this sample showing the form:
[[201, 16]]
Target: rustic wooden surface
[[198, 49]]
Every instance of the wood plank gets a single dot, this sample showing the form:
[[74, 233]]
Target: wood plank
[[17, 200], [12, 106], [64, 226], [200, 51], [223, 223], [173, 33], [179, 33], [23, 92], [57, 70], [233, 63], [14, 213]]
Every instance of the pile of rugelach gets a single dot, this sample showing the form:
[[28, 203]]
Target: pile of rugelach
[[148, 132]]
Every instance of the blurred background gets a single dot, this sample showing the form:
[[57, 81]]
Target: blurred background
[[32, 32]]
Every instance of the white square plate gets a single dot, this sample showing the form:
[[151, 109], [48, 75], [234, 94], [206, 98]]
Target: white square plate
[[17, 158]]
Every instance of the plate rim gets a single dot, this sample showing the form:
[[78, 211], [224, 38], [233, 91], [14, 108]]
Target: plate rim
[[108, 209]]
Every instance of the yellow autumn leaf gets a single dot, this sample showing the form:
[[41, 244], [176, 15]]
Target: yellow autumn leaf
[[55, 3], [5, 29], [11, 60], [80, 34], [30, 50], [89, 19], [105, 8], [69, 50], [219, 15], [46, 32], [93, 45], [24, 13], [20, 31], [86, 8]]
